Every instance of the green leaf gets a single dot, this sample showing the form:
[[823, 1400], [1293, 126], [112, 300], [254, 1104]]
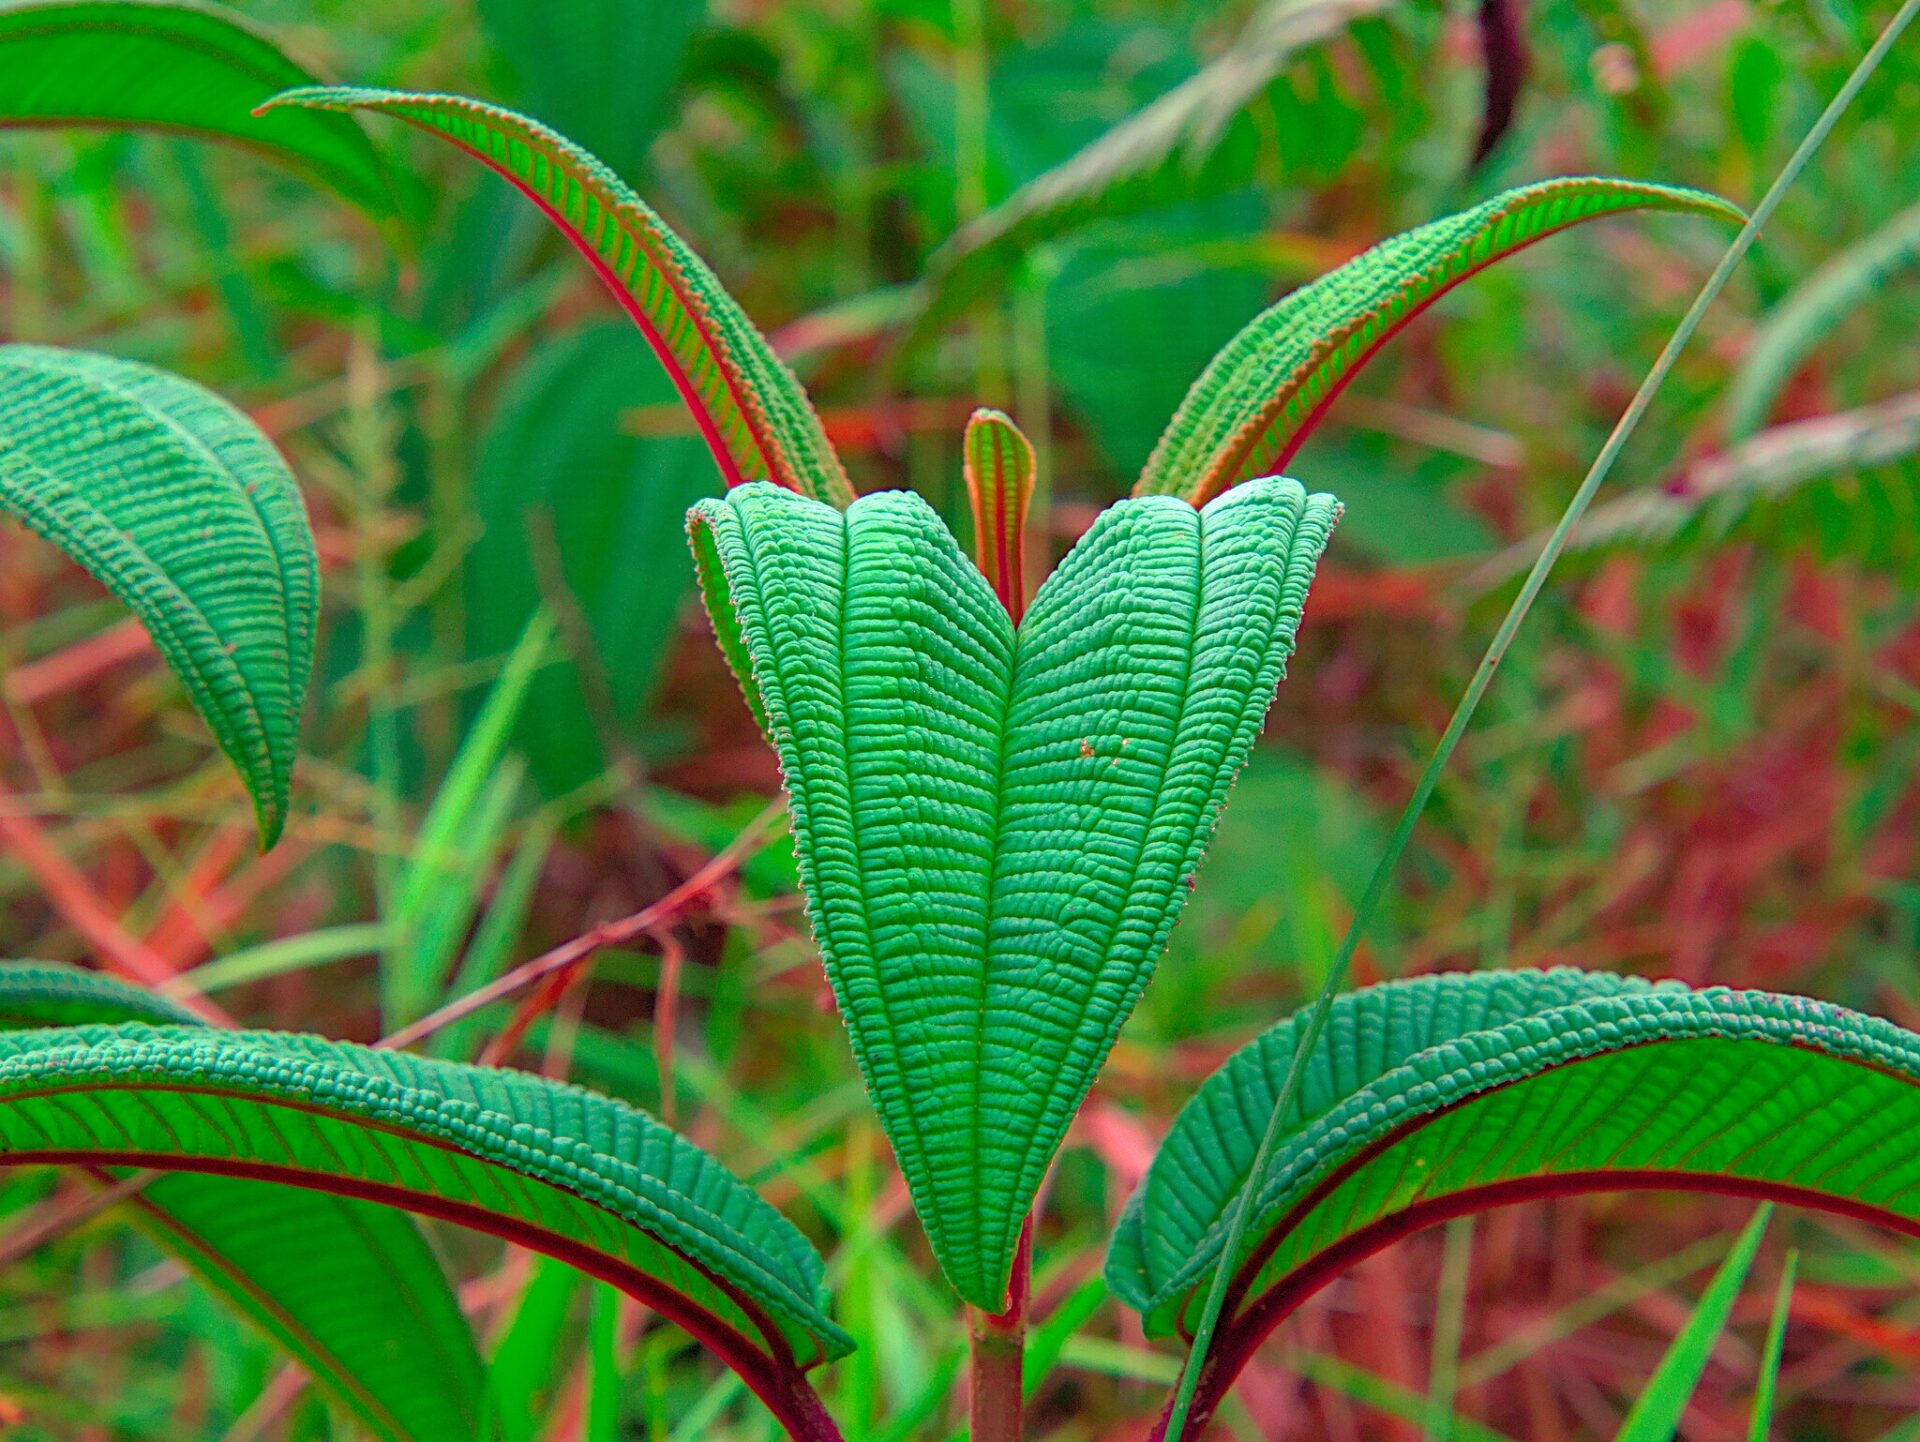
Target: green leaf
[[1253, 405], [1447, 1094], [1656, 1413], [1810, 312], [542, 1163], [176, 503], [1761, 1424], [997, 834], [999, 465], [350, 1289], [182, 66], [749, 407]]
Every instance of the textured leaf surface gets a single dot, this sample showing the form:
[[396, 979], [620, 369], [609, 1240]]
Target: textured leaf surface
[[177, 65], [750, 409], [175, 502], [996, 835], [556, 1167], [1440, 1095], [1255, 402], [999, 464], [350, 1288]]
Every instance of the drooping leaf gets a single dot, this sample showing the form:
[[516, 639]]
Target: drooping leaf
[[1809, 314], [1257, 399], [176, 65], [176, 503], [996, 832], [545, 1164], [749, 407], [1448, 1094], [1503, 50], [999, 466], [1656, 1412], [351, 1289]]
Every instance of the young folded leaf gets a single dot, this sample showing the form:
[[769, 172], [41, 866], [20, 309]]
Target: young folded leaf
[[1255, 402], [176, 503], [1448, 1094], [996, 830], [181, 66], [544, 1164], [999, 465], [351, 1289], [749, 407]]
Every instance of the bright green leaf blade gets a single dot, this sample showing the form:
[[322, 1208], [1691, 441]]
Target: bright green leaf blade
[[1761, 1425], [749, 407], [177, 503], [997, 837], [1444, 1094], [1253, 405], [176, 65], [549, 1165], [1655, 1415], [350, 1288]]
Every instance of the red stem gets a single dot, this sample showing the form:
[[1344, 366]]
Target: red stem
[[998, 1343]]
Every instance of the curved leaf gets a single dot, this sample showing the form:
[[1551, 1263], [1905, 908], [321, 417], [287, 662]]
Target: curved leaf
[[1447, 1094], [1809, 314], [751, 410], [351, 1289], [996, 832], [179, 65], [1253, 405], [175, 502], [549, 1165]]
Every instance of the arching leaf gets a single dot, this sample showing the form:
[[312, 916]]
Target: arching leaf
[[541, 1163], [1811, 311], [1257, 399], [176, 65], [1447, 1094], [176, 503], [350, 1288], [751, 410], [997, 833]]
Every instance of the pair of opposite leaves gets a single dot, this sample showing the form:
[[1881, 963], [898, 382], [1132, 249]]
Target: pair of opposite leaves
[[997, 825]]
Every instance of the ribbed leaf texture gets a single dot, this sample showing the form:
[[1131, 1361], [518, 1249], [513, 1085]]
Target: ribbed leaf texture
[[750, 408], [996, 832], [350, 1288], [1255, 402], [176, 65], [999, 464], [552, 1166], [1446, 1094], [175, 502]]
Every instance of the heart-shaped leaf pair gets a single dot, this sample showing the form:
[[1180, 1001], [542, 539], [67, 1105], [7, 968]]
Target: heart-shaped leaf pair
[[996, 828]]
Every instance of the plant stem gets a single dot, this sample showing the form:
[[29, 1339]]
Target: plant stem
[[998, 1344], [1244, 1202]]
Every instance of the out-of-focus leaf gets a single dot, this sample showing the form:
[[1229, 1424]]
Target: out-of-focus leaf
[[1503, 50], [1811, 311], [176, 65], [560, 463], [175, 502]]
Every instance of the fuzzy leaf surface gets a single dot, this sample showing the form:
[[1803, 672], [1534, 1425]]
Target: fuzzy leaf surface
[[1256, 400], [996, 829], [182, 66], [1446, 1094], [174, 500], [350, 1288], [750, 408]]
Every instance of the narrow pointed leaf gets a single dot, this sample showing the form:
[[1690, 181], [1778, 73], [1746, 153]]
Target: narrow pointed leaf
[[544, 1164], [999, 467], [749, 407], [176, 503], [997, 833], [1656, 1413], [176, 65], [1761, 1425], [351, 1289], [1448, 1094], [1254, 404]]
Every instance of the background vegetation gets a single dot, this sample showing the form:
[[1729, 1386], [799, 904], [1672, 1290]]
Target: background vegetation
[[1700, 762]]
